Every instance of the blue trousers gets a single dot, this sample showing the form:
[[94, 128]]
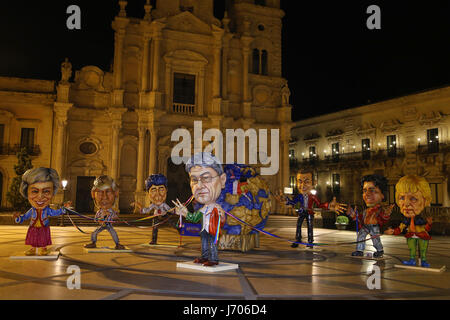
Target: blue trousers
[[373, 230], [209, 249], [108, 227]]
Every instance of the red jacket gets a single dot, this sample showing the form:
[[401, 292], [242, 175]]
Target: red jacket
[[381, 216], [213, 221]]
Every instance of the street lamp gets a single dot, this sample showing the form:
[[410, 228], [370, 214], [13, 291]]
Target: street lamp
[[64, 185]]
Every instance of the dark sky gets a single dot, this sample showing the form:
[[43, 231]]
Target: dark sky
[[330, 58]]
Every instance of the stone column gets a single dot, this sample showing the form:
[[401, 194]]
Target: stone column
[[115, 115], [156, 56], [60, 109], [153, 151], [140, 160], [145, 61], [118, 54], [245, 41]]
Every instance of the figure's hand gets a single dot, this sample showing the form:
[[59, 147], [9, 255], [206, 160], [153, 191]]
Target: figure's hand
[[279, 196], [68, 204], [137, 205], [388, 209], [16, 215], [337, 207], [389, 231], [351, 212], [180, 208], [429, 220]]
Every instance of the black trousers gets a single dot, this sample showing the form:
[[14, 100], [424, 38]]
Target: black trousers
[[309, 222]]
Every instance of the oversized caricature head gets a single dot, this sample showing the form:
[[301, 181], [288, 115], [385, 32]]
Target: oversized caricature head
[[39, 185], [373, 187], [104, 192], [305, 181], [207, 178], [412, 194], [156, 186]]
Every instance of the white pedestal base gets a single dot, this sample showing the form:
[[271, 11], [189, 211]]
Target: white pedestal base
[[222, 266], [106, 250], [53, 255]]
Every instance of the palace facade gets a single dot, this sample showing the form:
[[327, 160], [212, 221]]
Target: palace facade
[[406, 135]]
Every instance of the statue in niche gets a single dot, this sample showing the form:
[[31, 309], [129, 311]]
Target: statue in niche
[[66, 71], [285, 94]]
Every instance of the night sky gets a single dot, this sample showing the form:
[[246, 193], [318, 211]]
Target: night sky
[[330, 58]]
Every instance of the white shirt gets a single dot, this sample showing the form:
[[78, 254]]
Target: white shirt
[[163, 207], [206, 210]]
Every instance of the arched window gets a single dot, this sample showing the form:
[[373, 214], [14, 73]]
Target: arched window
[[264, 70], [255, 61], [259, 62]]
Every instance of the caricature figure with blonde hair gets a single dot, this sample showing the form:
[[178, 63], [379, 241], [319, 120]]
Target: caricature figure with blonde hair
[[413, 194]]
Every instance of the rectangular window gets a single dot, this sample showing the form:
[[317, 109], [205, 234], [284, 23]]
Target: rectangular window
[[436, 193], [264, 63], [335, 151], [336, 184], [292, 154], [365, 147], [312, 152], [391, 145], [2, 133], [255, 61], [27, 137], [433, 140], [184, 88]]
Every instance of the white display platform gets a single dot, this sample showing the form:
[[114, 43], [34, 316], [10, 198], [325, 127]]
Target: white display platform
[[369, 258], [53, 255], [313, 249], [160, 245], [222, 266], [106, 250], [415, 268]]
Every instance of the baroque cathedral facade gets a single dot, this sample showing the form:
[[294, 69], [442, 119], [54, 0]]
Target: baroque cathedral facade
[[176, 65]]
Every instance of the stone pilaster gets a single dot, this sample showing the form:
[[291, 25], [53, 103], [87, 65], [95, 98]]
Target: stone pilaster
[[115, 115]]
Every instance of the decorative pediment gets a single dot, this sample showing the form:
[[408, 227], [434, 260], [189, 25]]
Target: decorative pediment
[[185, 55], [90, 78], [390, 125], [430, 118], [365, 129], [334, 133], [5, 114], [311, 136], [187, 22]]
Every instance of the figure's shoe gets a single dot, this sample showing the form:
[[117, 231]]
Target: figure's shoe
[[425, 264], [357, 254], [43, 251], [152, 242], [410, 262], [294, 245], [378, 254], [90, 245], [211, 263], [119, 247], [200, 260], [30, 252]]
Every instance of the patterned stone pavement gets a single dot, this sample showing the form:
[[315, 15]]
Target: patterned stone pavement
[[272, 271]]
